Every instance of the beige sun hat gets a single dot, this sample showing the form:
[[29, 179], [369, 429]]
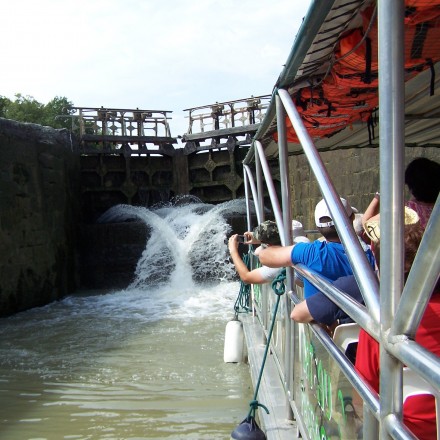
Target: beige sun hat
[[372, 226]]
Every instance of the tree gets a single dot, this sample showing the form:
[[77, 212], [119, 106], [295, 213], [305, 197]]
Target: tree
[[56, 113], [4, 104], [25, 109]]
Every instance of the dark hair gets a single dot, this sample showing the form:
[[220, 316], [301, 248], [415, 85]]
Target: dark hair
[[422, 178], [328, 232]]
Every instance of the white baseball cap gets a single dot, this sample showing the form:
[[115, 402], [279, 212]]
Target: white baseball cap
[[321, 210], [301, 239], [297, 229]]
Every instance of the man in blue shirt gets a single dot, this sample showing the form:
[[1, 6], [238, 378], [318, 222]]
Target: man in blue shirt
[[327, 257]]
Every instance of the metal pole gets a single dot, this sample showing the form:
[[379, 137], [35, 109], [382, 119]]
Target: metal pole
[[370, 427], [287, 221], [272, 193], [345, 302], [260, 189], [260, 216], [284, 171], [392, 141], [249, 179], [246, 196], [398, 430], [419, 359], [361, 268], [368, 395]]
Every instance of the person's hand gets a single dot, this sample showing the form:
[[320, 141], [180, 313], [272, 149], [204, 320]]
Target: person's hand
[[249, 238], [233, 243]]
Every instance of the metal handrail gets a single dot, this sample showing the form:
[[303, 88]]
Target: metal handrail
[[390, 318], [362, 270], [135, 121]]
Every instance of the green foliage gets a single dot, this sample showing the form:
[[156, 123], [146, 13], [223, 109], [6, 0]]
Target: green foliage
[[4, 103], [25, 109], [28, 109], [54, 111]]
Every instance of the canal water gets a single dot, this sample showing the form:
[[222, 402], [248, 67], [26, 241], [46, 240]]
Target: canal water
[[141, 363]]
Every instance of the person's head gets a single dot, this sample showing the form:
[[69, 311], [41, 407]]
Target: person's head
[[298, 233], [324, 221], [412, 237], [422, 178], [267, 233], [372, 225]]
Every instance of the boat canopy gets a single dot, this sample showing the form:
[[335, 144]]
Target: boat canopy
[[332, 77]]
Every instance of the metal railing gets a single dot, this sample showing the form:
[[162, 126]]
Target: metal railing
[[121, 122], [308, 359], [132, 130], [227, 115]]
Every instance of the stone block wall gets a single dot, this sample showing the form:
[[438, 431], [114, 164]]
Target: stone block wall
[[110, 252], [354, 173], [48, 249], [39, 209]]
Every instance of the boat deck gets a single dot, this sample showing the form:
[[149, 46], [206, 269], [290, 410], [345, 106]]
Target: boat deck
[[276, 424]]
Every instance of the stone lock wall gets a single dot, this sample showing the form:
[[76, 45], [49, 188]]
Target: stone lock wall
[[39, 209], [108, 180], [354, 173], [49, 203]]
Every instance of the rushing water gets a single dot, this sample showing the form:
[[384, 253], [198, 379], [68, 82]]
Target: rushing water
[[142, 363]]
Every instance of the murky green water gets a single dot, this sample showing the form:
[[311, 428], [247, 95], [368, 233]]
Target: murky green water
[[126, 365], [144, 363]]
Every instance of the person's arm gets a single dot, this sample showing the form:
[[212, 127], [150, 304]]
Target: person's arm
[[317, 308], [372, 210], [247, 276], [301, 313], [276, 256]]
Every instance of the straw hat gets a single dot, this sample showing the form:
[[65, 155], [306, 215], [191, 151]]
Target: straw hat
[[372, 226]]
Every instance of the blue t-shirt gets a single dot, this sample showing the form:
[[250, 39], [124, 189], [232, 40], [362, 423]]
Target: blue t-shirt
[[326, 258], [325, 311]]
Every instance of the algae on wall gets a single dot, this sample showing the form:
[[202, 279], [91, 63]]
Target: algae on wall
[[39, 215]]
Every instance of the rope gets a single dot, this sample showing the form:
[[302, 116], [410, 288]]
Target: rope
[[279, 288], [243, 298]]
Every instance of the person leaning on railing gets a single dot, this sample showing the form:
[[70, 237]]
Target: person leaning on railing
[[319, 308], [266, 234], [327, 257]]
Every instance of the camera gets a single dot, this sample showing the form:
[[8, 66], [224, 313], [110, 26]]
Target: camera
[[240, 239]]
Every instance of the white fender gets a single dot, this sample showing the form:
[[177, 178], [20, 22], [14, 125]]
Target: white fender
[[234, 342]]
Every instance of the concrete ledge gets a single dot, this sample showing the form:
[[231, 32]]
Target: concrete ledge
[[271, 392]]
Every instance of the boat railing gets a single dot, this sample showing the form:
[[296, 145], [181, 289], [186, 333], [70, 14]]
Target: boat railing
[[320, 381], [405, 350]]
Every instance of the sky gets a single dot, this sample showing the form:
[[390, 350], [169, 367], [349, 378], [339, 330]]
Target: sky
[[158, 55]]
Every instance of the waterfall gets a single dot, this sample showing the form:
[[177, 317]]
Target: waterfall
[[187, 241]]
